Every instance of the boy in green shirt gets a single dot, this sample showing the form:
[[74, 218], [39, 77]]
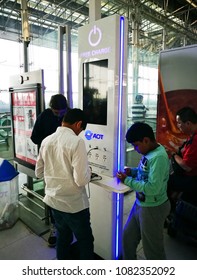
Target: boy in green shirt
[[149, 180]]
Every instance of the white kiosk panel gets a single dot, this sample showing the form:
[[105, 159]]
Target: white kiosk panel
[[102, 88]]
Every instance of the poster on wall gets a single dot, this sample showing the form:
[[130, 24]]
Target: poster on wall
[[177, 89], [25, 109]]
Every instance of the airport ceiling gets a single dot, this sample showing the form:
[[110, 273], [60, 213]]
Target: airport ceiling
[[174, 20]]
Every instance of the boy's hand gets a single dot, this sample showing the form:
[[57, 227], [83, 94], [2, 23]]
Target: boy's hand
[[127, 171], [121, 176]]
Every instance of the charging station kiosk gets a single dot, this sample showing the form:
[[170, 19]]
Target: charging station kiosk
[[102, 89]]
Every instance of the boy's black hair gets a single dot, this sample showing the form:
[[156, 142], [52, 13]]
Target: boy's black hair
[[75, 115], [138, 131], [187, 114], [58, 102]]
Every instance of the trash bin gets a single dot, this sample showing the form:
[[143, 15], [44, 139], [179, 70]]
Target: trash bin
[[8, 194]]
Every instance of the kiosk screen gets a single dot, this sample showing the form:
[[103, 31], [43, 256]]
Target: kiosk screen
[[95, 89]]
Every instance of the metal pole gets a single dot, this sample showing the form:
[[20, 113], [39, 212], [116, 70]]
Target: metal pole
[[26, 41], [69, 67], [25, 33], [25, 56], [61, 31]]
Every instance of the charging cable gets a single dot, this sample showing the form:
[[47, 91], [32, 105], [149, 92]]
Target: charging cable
[[95, 148]]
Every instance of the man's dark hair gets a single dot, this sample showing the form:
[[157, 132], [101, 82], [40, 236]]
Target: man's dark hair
[[58, 102], [187, 114], [75, 115], [138, 131]]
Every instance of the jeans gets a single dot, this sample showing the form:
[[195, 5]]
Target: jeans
[[51, 215], [78, 224]]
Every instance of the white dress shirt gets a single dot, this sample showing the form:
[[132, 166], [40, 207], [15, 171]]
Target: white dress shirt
[[63, 163]]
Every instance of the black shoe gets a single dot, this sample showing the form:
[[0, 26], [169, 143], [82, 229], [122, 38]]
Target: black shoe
[[52, 237]]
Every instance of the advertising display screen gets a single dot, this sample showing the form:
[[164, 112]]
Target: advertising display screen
[[25, 109], [95, 91], [176, 93]]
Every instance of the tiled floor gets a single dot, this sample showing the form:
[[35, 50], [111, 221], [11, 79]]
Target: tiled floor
[[21, 243]]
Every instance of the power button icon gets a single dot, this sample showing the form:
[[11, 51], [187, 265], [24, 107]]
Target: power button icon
[[95, 36]]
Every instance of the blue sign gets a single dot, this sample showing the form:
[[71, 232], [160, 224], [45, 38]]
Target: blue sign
[[90, 135]]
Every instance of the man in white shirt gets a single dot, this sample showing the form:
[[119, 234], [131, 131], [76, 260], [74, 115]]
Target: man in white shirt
[[63, 163]]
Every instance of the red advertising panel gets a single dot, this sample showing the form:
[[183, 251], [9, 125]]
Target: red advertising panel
[[177, 89], [25, 109]]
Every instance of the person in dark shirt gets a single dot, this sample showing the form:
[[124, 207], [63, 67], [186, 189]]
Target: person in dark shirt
[[48, 121], [46, 124]]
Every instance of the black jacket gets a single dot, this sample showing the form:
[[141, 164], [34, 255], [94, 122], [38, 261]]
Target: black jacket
[[45, 125]]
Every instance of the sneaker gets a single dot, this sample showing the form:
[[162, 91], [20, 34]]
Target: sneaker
[[52, 237]]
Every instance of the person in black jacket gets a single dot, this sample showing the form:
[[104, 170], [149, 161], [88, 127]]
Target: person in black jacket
[[46, 124], [48, 121]]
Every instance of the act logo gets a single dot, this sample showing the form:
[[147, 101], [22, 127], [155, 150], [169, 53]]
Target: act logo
[[90, 135]]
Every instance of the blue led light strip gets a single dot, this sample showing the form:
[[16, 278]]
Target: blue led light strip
[[117, 225], [121, 63], [121, 67]]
